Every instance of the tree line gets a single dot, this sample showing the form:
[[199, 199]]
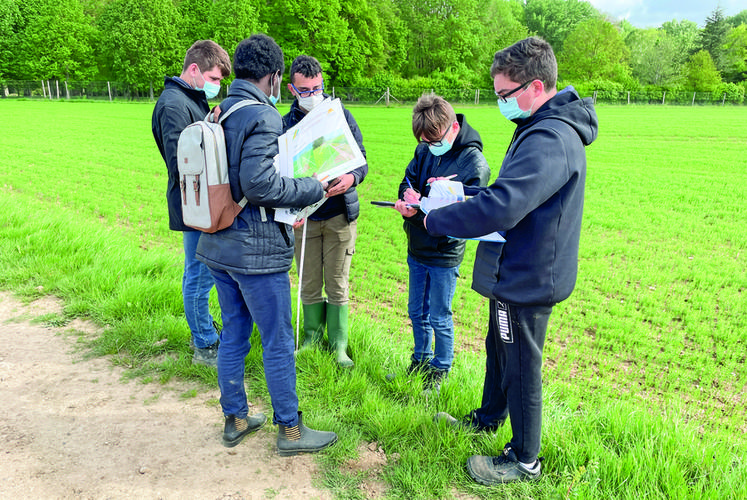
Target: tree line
[[442, 44]]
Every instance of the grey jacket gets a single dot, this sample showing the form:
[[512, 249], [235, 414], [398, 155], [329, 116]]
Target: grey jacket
[[252, 245]]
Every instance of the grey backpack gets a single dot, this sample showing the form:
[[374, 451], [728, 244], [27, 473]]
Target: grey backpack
[[207, 203]]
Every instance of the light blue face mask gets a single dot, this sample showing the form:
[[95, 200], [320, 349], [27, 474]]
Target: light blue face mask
[[444, 148], [273, 99], [511, 110], [211, 89]]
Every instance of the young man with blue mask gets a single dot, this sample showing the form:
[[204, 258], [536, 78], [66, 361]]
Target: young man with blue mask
[[448, 147], [183, 102], [330, 231], [536, 203], [250, 259]]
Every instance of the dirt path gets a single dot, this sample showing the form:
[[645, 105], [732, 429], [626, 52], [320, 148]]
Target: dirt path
[[70, 428]]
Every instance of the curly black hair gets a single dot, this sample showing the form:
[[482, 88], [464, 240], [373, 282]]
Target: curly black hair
[[256, 57]]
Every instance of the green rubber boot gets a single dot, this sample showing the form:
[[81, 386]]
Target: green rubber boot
[[313, 324], [337, 331]]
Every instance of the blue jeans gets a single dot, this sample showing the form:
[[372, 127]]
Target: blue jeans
[[196, 284], [429, 307], [264, 299], [513, 374]]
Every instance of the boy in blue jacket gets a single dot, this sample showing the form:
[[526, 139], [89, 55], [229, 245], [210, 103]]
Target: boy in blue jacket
[[536, 203]]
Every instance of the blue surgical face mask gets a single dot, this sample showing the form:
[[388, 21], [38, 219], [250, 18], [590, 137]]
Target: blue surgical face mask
[[440, 150], [211, 89], [274, 99], [511, 110]]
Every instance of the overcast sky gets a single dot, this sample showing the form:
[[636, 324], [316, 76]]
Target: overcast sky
[[651, 14]]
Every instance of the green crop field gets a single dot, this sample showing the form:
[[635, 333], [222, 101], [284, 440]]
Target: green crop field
[[645, 376]]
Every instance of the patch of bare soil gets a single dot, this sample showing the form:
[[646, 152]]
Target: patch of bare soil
[[70, 428]]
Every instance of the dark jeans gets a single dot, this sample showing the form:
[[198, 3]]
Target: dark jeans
[[513, 377], [264, 299]]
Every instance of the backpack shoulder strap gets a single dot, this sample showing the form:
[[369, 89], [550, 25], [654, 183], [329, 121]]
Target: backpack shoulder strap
[[225, 114]]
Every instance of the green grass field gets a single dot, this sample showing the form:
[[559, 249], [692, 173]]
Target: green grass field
[[645, 377]]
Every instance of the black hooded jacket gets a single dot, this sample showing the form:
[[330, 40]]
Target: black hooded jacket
[[536, 202], [464, 159]]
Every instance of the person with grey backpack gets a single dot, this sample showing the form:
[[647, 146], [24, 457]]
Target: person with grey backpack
[[251, 258]]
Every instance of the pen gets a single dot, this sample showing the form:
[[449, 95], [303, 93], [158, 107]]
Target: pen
[[409, 183], [447, 178]]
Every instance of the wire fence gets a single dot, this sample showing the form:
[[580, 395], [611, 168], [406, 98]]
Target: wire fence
[[111, 91]]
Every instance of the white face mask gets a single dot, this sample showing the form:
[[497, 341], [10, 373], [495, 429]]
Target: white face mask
[[309, 103]]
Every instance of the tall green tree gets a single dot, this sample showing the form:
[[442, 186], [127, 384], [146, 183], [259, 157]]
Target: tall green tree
[[501, 26], [684, 34], [230, 21], [139, 42], [653, 57], [55, 41], [554, 20], [443, 35], [713, 36], [594, 50], [194, 23], [10, 21], [394, 34], [701, 73], [735, 54], [737, 19], [317, 28]]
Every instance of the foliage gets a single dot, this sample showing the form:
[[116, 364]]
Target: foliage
[[729, 92], [701, 73], [713, 36], [133, 43], [735, 54], [230, 21], [653, 57], [140, 42], [555, 20], [595, 49], [10, 20], [55, 41]]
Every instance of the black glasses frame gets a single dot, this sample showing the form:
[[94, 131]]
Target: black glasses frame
[[440, 142], [503, 97]]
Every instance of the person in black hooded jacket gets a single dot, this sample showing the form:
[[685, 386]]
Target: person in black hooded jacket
[[536, 203], [184, 100], [447, 148]]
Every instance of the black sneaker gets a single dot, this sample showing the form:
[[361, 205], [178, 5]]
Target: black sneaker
[[237, 429], [207, 356], [503, 469]]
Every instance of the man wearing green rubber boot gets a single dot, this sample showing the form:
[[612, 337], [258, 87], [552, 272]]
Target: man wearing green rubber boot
[[330, 230]]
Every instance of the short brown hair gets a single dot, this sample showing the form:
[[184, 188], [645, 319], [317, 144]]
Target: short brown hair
[[527, 60], [431, 114], [207, 54]]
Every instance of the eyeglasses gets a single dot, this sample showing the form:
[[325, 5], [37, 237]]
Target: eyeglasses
[[438, 143], [308, 93], [502, 97]]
